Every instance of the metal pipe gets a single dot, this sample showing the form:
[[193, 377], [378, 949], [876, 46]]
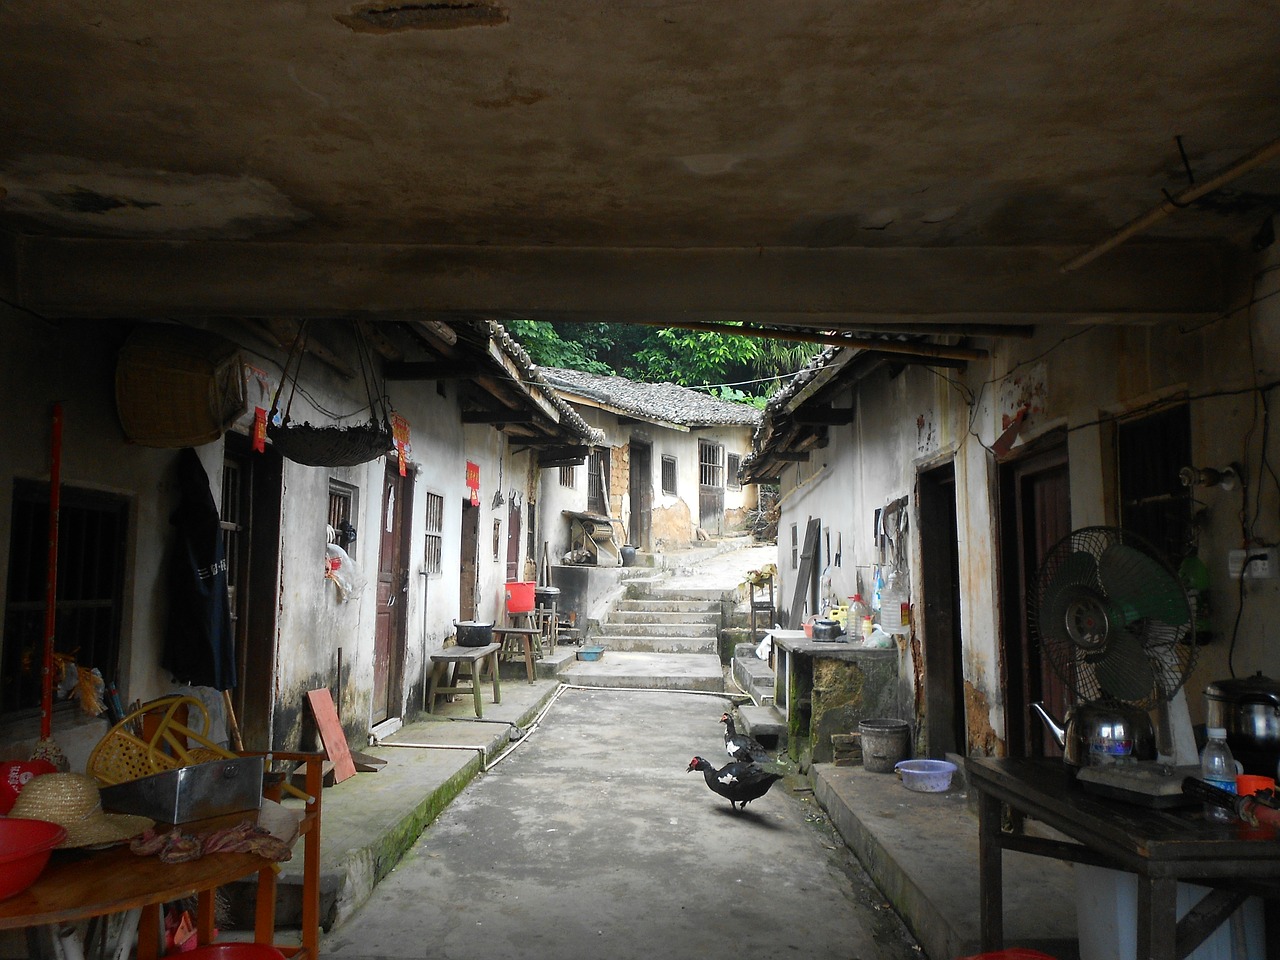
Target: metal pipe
[[1181, 199]]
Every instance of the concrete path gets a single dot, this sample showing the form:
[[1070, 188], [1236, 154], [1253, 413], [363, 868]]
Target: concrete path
[[591, 840]]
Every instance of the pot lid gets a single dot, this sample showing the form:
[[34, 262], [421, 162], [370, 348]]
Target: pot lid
[[1255, 689]]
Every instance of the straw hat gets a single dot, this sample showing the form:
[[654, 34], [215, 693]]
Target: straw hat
[[72, 801]]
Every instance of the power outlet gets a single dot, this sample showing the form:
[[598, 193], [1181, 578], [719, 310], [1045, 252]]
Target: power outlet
[[1263, 563]]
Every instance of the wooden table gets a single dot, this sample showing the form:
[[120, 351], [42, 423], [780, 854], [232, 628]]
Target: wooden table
[[449, 659], [1163, 847], [79, 884]]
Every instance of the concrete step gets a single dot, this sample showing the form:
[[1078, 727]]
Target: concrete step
[[766, 724], [664, 616], [713, 592], [756, 677], [648, 643], [655, 671], [614, 629], [656, 605]]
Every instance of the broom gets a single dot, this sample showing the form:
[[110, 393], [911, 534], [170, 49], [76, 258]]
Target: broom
[[47, 748]]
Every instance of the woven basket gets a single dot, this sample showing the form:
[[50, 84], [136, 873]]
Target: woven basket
[[121, 755], [178, 387], [331, 446]]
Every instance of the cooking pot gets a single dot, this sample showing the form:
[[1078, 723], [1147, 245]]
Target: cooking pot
[[1101, 732], [1248, 708], [472, 633], [825, 629]]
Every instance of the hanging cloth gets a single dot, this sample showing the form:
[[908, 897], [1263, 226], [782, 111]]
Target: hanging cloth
[[199, 645]]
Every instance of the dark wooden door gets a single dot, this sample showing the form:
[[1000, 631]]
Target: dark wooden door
[[469, 542], [1036, 514], [938, 602], [250, 516], [393, 582], [640, 530]]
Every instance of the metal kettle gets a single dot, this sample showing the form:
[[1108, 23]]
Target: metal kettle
[[1101, 732]]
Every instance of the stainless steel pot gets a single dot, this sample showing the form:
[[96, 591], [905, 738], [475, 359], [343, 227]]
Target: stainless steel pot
[[1248, 708], [1101, 732]]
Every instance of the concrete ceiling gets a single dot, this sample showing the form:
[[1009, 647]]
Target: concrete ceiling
[[839, 164]]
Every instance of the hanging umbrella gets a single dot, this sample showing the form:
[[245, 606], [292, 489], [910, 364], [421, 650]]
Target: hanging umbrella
[[199, 643]]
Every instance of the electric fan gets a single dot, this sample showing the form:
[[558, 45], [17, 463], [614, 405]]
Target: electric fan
[[1115, 623]]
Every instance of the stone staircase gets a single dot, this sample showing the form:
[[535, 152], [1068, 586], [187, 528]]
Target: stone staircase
[[659, 637]]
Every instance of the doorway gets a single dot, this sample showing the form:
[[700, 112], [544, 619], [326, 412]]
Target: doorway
[[945, 729], [711, 487], [390, 627], [640, 529], [470, 549], [250, 517], [1035, 513]]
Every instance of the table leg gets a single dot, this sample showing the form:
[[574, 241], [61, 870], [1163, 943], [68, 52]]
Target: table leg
[[205, 931], [528, 655], [493, 667], [990, 873], [437, 669], [149, 932], [477, 668], [1157, 918]]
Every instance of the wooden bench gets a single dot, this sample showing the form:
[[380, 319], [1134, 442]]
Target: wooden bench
[[450, 659]]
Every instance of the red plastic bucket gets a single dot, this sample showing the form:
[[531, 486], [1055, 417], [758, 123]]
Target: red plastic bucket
[[520, 596]]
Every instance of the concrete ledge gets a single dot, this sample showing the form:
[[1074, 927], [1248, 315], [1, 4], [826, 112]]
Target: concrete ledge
[[921, 849]]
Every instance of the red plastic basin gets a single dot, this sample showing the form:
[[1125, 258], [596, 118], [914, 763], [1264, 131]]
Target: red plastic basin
[[520, 596], [25, 846]]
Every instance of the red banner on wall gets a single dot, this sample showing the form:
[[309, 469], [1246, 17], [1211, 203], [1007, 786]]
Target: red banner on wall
[[473, 482]]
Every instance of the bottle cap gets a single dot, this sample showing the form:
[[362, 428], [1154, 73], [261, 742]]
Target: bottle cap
[[1216, 733], [856, 598]]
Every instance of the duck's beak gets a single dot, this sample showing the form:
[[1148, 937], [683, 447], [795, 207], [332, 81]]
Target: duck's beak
[[692, 766]]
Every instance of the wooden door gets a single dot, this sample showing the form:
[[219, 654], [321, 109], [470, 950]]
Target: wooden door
[[393, 582], [470, 547], [1035, 515], [938, 603], [250, 515], [640, 531], [711, 486]]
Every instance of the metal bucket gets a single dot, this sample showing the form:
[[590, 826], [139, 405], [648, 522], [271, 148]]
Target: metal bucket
[[885, 742]]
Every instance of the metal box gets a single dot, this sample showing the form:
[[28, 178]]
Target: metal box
[[201, 790]]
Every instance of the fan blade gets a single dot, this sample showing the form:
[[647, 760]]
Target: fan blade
[[1078, 567], [1123, 669], [1141, 587]]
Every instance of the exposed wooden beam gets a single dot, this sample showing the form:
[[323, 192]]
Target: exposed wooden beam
[[789, 457], [497, 416], [825, 416], [429, 370]]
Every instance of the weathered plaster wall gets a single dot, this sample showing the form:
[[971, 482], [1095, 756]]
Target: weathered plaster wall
[[1081, 381]]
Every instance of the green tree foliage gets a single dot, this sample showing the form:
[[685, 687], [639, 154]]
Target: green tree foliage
[[659, 354]]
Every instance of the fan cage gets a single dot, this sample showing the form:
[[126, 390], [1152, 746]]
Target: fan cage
[[1112, 618]]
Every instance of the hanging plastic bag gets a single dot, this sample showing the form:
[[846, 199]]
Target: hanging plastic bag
[[341, 569]]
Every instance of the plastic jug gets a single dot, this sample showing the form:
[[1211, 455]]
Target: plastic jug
[[895, 604]]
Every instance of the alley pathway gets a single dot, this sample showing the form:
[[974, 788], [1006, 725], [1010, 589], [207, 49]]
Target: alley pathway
[[591, 841]]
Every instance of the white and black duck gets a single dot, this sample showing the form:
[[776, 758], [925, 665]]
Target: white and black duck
[[737, 782], [741, 746]]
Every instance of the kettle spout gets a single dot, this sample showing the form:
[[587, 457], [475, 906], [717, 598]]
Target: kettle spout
[[1059, 734]]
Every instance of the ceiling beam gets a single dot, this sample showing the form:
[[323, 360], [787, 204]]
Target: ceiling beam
[[429, 370], [828, 288], [497, 416], [823, 416]]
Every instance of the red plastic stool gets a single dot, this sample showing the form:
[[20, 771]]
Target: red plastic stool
[[234, 951], [1013, 953]]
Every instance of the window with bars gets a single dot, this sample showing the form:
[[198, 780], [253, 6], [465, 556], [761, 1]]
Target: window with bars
[[92, 533], [342, 507], [733, 463], [669, 475], [795, 546], [1154, 504], [710, 464], [569, 476], [433, 555]]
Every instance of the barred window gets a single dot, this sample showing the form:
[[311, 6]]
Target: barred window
[[569, 476], [342, 507], [710, 464], [434, 553], [669, 475]]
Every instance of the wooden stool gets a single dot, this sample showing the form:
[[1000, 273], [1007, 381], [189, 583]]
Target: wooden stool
[[450, 659], [517, 640]]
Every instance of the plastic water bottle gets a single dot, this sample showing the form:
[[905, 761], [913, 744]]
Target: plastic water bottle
[[895, 604], [1218, 769], [858, 610]]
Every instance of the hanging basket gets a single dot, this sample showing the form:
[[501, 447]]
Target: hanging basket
[[331, 446]]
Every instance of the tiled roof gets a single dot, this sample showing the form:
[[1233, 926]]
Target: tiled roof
[[657, 401]]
